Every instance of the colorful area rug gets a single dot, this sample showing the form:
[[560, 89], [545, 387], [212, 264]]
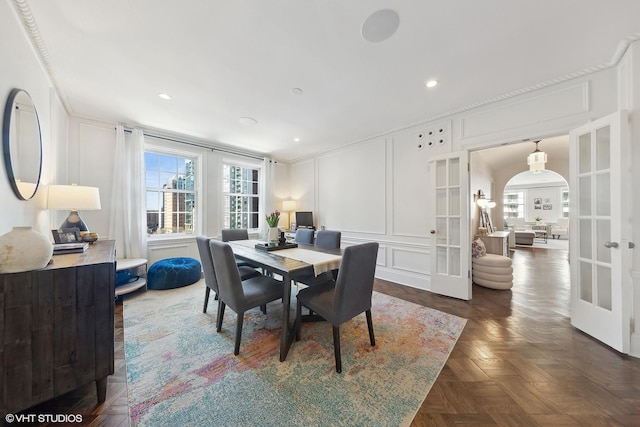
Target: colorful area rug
[[180, 372]]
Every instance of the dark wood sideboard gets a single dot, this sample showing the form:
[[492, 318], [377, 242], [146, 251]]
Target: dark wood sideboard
[[57, 328]]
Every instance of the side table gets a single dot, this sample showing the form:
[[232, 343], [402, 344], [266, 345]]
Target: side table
[[137, 266]]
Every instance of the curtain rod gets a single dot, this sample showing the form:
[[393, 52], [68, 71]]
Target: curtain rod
[[199, 145]]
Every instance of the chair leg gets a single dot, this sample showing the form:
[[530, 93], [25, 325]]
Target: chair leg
[[263, 308], [336, 348], [298, 323], [206, 298], [239, 322], [221, 307], [370, 326]]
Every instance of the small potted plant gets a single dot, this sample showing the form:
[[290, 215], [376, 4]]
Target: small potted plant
[[272, 221]]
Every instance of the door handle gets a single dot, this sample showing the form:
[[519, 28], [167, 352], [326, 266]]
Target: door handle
[[610, 244], [433, 232]]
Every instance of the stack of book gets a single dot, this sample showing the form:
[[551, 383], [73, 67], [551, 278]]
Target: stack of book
[[69, 248]]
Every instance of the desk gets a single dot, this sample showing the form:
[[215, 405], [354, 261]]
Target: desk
[[279, 262], [497, 242]]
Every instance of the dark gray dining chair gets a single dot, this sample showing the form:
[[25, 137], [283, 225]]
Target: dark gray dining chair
[[239, 295], [209, 273], [328, 239], [346, 297], [231, 234], [325, 239], [304, 236]]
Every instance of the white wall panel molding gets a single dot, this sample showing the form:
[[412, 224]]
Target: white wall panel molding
[[351, 188], [413, 261], [562, 107]]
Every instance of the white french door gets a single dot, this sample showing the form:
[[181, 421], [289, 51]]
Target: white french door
[[599, 243], [450, 243]]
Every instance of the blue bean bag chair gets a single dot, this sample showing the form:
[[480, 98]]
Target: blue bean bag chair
[[173, 273]]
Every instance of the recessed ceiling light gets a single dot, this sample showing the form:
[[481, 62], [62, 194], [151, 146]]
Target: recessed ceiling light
[[296, 91], [380, 25], [431, 83], [164, 96], [247, 121], [296, 139]]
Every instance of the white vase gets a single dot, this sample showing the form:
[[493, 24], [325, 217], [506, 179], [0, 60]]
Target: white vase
[[24, 249], [273, 235]]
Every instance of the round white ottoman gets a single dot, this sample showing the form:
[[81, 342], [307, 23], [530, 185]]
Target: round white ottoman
[[493, 271]]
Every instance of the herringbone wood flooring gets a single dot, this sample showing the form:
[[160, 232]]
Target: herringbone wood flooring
[[519, 362]]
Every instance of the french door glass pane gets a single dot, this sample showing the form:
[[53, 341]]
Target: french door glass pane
[[454, 172], [454, 261], [441, 201], [604, 287], [454, 231], [603, 157], [454, 201], [584, 153], [585, 196], [441, 226], [603, 234], [603, 191], [585, 238], [586, 291], [442, 260], [441, 173]]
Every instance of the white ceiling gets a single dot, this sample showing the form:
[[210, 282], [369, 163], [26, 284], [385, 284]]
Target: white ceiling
[[223, 60]]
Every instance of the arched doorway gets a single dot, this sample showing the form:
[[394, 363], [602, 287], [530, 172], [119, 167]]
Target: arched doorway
[[540, 199]]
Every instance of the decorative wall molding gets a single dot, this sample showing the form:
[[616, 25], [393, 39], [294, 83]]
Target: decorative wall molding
[[621, 49], [410, 260], [548, 106], [30, 26]]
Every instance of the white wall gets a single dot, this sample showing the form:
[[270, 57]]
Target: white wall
[[384, 181], [21, 69], [629, 99], [481, 178]]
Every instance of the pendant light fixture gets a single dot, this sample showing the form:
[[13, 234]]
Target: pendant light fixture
[[537, 160]]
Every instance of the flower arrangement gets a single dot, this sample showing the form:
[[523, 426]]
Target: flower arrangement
[[273, 218]]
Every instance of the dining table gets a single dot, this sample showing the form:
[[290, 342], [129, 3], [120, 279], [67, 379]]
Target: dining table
[[289, 263]]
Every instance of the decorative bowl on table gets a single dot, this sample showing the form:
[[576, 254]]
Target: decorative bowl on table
[[90, 237]]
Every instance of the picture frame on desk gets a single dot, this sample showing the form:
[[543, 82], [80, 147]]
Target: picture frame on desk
[[66, 235]]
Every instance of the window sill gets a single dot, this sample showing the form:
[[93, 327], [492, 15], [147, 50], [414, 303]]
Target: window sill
[[168, 238]]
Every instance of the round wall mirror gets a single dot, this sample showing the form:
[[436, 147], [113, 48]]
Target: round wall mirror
[[22, 144]]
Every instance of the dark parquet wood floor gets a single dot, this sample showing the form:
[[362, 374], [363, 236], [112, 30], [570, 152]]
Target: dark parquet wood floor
[[519, 362]]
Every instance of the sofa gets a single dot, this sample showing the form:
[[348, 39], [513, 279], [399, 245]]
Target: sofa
[[561, 229], [524, 237]]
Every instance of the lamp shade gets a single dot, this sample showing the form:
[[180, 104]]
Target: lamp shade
[[289, 205], [73, 197]]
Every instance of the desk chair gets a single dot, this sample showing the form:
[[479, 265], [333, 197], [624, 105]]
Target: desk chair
[[240, 295], [209, 273], [343, 299]]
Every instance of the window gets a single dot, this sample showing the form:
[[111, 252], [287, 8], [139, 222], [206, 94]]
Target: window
[[171, 195], [513, 204], [241, 196], [565, 202]]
